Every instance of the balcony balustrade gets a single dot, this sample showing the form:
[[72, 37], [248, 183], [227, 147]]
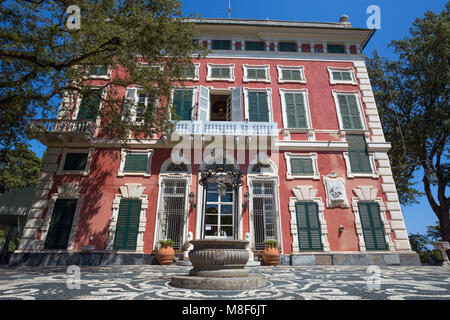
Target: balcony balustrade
[[47, 130], [226, 128]]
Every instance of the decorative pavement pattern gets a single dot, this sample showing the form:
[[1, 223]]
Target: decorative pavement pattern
[[152, 282]]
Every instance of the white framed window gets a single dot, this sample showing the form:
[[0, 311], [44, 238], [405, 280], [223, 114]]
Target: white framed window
[[301, 166], [75, 161], [258, 105], [100, 72], [220, 72], [192, 72], [349, 110], [295, 110], [136, 101], [294, 74], [342, 75], [256, 73], [156, 66], [136, 162]]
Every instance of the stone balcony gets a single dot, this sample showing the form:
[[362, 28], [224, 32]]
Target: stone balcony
[[235, 128], [50, 131]]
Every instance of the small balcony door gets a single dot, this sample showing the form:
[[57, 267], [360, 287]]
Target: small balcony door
[[264, 213], [173, 211], [220, 105]]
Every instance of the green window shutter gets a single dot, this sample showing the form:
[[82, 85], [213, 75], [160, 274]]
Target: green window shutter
[[358, 154], [258, 106], [135, 162], [90, 105], [261, 74], [76, 161], [251, 73], [221, 45], [182, 101], [337, 75], [295, 110], [308, 226], [286, 74], [287, 47], [215, 72], [61, 224], [220, 73], [342, 76], [301, 166], [346, 75], [256, 74], [127, 226], [254, 46], [373, 229], [349, 112]]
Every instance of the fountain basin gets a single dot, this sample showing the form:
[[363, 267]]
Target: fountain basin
[[219, 258], [219, 264]]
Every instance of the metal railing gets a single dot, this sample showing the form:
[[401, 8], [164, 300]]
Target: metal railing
[[265, 227], [226, 128]]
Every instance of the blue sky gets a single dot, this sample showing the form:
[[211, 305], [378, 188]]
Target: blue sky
[[396, 19]]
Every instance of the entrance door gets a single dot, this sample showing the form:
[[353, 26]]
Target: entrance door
[[173, 211], [308, 226], [61, 224], [127, 225], [264, 213], [219, 213], [373, 229]]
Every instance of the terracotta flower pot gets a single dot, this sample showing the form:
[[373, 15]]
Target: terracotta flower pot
[[271, 256], [165, 255]]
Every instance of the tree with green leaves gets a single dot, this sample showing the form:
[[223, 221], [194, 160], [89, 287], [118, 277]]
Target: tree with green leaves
[[22, 168], [49, 48], [413, 97]]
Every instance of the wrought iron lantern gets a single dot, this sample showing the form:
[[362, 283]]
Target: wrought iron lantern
[[225, 176]]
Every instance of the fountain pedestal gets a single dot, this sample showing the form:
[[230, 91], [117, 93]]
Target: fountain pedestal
[[219, 265]]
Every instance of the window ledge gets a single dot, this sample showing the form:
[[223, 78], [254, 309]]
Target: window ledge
[[134, 174], [73, 172], [293, 176], [291, 81]]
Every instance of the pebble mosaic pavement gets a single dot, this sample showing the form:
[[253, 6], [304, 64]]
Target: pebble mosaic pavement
[[150, 282]]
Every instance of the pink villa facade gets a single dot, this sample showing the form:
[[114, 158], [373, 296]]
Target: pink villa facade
[[294, 105]]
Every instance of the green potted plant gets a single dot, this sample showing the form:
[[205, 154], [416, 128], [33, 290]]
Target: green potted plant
[[270, 254], [165, 252]]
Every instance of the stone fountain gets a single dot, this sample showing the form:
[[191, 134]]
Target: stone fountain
[[443, 246], [219, 265]]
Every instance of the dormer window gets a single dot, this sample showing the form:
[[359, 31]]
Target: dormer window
[[254, 46], [287, 47], [221, 44], [336, 48]]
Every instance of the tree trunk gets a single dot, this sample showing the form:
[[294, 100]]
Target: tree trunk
[[444, 223], [441, 210]]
